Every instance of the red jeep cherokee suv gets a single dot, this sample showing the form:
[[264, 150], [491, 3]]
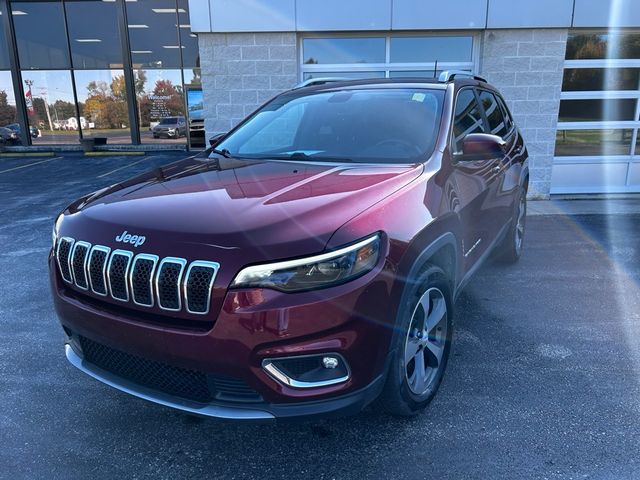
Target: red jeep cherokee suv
[[308, 263]]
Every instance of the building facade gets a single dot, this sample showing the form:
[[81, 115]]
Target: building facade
[[73, 69], [569, 69]]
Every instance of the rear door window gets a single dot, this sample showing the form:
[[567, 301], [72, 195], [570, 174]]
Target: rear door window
[[468, 118], [497, 124]]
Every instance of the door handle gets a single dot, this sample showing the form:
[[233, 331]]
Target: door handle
[[497, 169], [518, 150]]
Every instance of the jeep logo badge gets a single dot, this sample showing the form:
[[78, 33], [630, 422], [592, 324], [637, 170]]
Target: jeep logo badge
[[135, 240]]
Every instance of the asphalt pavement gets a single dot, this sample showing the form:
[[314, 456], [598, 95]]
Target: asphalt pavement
[[543, 381]]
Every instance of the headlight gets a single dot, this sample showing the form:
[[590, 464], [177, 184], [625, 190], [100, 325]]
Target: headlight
[[319, 271]]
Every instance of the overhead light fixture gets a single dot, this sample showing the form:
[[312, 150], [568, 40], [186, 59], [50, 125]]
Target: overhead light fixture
[[18, 12], [184, 26], [141, 51], [168, 10], [138, 26], [88, 40]]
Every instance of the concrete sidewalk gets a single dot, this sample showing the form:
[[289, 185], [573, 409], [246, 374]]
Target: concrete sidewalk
[[591, 206]]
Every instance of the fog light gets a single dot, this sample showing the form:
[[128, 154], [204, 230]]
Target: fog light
[[330, 362], [308, 371]]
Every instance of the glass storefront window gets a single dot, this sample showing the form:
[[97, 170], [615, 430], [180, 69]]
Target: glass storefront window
[[40, 35], [595, 79], [597, 110], [343, 50], [153, 33], [570, 143], [8, 111], [102, 101], [349, 75], [188, 40], [431, 49], [161, 106], [93, 34], [597, 46], [51, 108]]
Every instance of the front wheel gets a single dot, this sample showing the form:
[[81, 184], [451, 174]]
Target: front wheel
[[511, 248], [421, 345]]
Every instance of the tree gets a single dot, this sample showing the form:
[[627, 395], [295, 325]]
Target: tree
[[7, 112]]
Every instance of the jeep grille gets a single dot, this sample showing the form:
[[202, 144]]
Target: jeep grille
[[170, 283]]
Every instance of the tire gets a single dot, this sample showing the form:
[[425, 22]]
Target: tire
[[405, 393], [510, 249]]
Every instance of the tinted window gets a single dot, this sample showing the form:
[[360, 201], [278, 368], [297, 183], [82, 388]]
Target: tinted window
[[153, 33], [497, 125], [507, 115], [40, 33], [593, 142], [468, 118], [593, 79], [383, 126], [612, 109], [343, 50], [607, 45], [93, 34]]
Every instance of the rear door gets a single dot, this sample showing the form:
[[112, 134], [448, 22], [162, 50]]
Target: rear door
[[474, 180], [502, 188]]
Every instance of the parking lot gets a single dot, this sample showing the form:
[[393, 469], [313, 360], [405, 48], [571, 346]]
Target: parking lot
[[543, 382]]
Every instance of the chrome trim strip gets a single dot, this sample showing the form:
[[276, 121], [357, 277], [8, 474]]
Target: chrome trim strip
[[107, 250], [209, 410], [72, 241], [129, 255], [182, 262], [84, 265], [200, 263], [143, 256], [283, 378]]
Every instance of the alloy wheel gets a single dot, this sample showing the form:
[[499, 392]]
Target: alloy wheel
[[426, 341]]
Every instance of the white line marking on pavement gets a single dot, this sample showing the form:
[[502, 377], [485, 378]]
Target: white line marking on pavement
[[123, 167], [29, 165]]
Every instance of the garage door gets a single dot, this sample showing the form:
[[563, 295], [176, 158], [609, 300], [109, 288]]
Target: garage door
[[597, 145]]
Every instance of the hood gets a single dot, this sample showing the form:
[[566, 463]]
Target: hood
[[264, 209]]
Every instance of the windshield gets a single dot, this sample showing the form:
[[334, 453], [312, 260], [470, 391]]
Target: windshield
[[375, 125]]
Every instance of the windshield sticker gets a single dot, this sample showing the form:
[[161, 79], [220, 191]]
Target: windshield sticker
[[418, 97]]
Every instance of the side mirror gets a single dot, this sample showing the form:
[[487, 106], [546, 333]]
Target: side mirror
[[216, 139], [482, 146]]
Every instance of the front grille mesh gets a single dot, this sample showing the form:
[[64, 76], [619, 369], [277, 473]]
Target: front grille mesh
[[198, 285], [141, 276], [97, 262], [118, 269], [169, 285], [78, 259], [64, 251], [143, 279], [176, 381]]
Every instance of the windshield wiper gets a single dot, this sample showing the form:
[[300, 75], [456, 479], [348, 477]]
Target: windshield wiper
[[224, 152], [305, 156]]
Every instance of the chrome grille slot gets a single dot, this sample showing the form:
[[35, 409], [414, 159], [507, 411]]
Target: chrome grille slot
[[98, 269], [141, 279], [117, 272], [168, 283], [63, 255], [198, 284], [171, 283], [79, 256]]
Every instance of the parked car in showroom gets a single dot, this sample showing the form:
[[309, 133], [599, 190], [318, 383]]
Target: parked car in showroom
[[170, 127], [305, 265]]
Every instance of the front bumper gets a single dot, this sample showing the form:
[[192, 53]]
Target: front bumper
[[249, 326], [262, 412]]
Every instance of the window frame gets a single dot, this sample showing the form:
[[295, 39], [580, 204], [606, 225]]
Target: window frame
[[452, 140], [387, 66]]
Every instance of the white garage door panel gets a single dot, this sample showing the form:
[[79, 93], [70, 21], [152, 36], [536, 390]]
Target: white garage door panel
[[634, 176], [589, 178]]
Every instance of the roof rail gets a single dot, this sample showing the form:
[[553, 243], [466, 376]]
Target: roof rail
[[320, 81], [449, 75]]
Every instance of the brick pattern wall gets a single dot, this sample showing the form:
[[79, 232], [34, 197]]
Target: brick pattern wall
[[240, 71], [527, 66]]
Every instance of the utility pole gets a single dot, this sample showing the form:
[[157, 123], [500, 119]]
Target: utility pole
[[43, 92]]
